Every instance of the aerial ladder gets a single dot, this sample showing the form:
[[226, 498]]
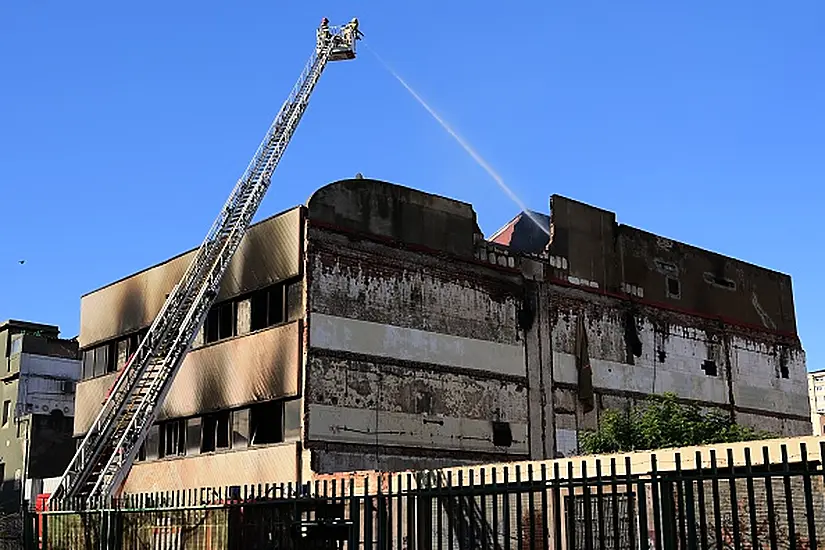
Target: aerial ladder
[[105, 456]]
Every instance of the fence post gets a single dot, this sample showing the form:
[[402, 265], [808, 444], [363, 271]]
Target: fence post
[[669, 529], [43, 534]]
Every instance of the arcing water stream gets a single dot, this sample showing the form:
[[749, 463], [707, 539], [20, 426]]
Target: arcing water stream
[[467, 147]]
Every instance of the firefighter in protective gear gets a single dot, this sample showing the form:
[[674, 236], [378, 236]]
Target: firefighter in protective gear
[[351, 30], [323, 35]]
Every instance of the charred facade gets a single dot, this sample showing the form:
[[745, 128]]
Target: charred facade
[[376, 328]]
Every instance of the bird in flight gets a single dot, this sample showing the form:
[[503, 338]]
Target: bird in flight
[[21, 262]]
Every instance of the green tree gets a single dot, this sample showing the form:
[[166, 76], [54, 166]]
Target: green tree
[[662, 422]]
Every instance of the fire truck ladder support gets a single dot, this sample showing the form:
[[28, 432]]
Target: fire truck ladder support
[[106, 454]]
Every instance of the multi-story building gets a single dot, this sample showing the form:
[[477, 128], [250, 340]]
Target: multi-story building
[[816, 393], [376, 328], [38, 371]]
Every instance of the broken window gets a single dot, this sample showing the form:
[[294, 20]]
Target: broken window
[[128, 346], [294, 300], [240, 429], [674, 289], [193, 436], [215, 431], [292, 418], [111, 357], [153, 443], [267, 307], [172, 438], [122, 353], [266, 423], [722, 282], [6, 413], [220, 322], [666, 267], [709, 367]]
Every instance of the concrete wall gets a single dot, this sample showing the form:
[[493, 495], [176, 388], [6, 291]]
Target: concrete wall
[[269, 252], [411, 356], [674, 350], [230, 373], [616, 258], [46, 384], [262, 465]]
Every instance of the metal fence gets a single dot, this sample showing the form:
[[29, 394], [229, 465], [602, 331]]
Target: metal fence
[[699, 501], [11, 531]]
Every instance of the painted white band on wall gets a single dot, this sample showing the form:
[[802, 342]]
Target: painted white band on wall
[[381, 340]]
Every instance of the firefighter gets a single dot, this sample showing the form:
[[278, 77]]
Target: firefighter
[[352, 32], [323, 35]]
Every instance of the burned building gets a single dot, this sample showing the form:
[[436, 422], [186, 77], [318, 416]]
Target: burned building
[[659, 316], [38, 371], [376, 328]]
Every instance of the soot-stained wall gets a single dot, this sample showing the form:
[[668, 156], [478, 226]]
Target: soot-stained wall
[[414, 349]]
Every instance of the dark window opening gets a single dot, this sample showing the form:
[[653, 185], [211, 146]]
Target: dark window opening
[[723, 282], [132, 343], [6, 413], [215, 432], [193, 436], [674, 289], [173, 438], [267, 307], [502, 434], [111, 359], [220, 322], [266, 423], [783, 371], [153, 443], [662, 355], [709, 367], [208, 435], [666, 267], [240, 429], [141, 454]]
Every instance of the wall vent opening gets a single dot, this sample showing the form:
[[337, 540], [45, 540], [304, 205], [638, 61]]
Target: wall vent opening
[[709, 367], [502, 434]]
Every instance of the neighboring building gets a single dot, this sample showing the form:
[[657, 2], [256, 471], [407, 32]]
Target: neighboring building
[[38, 371], [376, 328], [816, 392]]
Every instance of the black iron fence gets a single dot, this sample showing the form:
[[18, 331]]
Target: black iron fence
[[695, 501], [12, 534]]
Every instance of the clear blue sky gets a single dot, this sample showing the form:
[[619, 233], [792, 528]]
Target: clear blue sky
[[123, 128]]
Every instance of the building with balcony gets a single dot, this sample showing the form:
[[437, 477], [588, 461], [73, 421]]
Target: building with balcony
[[376, 328], [38, 371]]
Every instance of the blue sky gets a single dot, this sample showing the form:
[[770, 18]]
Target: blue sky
[[123, 126]]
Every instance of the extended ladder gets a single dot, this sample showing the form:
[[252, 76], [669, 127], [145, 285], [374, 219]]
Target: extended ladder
[[105, 455]]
